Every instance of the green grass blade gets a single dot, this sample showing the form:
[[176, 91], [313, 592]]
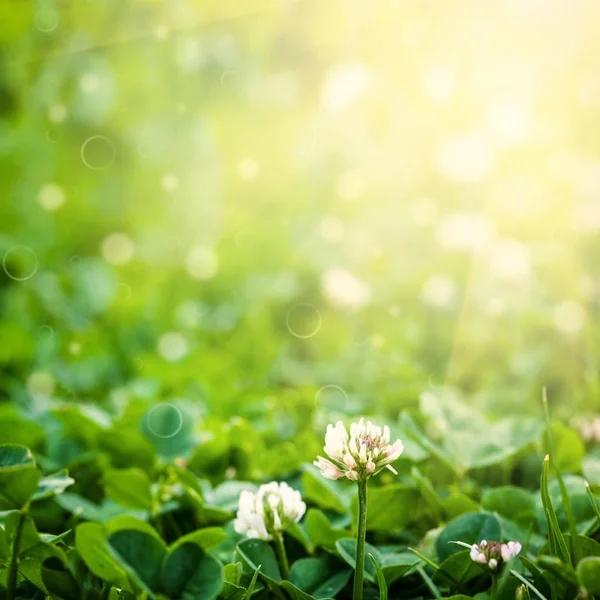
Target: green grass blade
[[429, 583], [529, 585], [383, 591], [250, 589], [435, 566], [574, 540], [560, 546], [592, 498]]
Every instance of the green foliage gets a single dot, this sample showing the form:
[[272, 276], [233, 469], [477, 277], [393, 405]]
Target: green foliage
[[225, 225]]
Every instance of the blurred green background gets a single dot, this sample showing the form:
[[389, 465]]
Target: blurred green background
[[289, 211]]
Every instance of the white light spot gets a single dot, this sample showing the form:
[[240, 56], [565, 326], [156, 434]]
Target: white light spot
[[344, 85], [57, 113], [40, 385], [89, 83], [424, 211], [439, 84], [51, 196], [331, 229], [189, 54], [465, 231], [248, 168], [465, 159], [510, 123], [439, 291], [161, 32], [169, 182], [202, 262], [496, 307], [510, 260], [569, 317], [117, 249], [75, 348], [172, 346], [350, 185], [344, 290]]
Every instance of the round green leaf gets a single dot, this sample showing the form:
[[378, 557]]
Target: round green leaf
[[19, 476], [188, 573], [256, 553], [588, 573], [470, 528], [140, 554]]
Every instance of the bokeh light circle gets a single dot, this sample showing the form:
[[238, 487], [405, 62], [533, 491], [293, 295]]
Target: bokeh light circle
[[46, 20], [303, 320], [332, 397], [24, 263], [164, 420], [126, 291], [46, 332], [98, 153]]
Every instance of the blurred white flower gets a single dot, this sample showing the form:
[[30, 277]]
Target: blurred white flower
[[363, 453], [344, 290], [493, 554], [269, 511]]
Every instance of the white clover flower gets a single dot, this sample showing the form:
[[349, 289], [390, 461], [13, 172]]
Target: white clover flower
[[493, 554], [269, 511], [363, 453]]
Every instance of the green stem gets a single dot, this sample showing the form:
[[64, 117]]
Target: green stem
[[14, 561], [360, 541], [494, 588], [282, 556]]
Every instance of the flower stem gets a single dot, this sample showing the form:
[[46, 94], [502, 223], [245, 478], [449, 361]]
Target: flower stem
[[360, 541], [494, 588], [282, 556], [13, 569]]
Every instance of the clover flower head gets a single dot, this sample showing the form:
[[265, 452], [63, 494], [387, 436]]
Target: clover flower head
[[359, 455], [269, 511], [494, 554]]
